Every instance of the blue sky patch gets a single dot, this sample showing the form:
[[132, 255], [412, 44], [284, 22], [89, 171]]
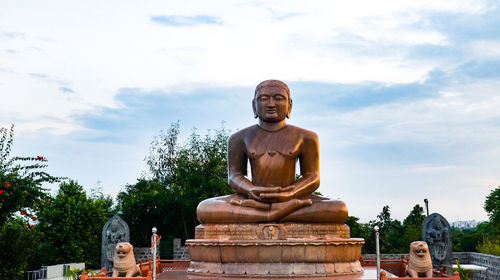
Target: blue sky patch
[[185, 20], [66, 90]]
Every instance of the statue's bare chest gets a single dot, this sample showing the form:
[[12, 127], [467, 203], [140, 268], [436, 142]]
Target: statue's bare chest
[[269, 144]]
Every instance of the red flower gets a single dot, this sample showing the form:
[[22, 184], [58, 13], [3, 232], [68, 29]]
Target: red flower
[[14, 184], [23, 212], [47, 200], [6, 184], [39, 157], [1, 191], [35, 218], [31, 226]]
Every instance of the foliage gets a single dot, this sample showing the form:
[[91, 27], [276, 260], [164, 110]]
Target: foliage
[[489, 246], [485, 238], [17, 242], [492, 207], [464, 273], [413, 225], [71, 225], [181, 177], [394, 237], [21, 195], [145, 205], [466, 240], [75, 273], [390, 232], [21, 181], [362, 230]]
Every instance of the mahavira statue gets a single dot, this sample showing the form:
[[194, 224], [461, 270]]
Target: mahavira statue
[[274, 193]]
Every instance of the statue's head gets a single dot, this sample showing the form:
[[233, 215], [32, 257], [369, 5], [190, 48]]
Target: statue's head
[[272, 102]]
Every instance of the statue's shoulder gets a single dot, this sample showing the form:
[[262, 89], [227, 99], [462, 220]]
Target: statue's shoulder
[[304, 133]]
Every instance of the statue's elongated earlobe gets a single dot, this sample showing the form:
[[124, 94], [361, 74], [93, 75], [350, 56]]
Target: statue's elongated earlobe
[[289, 109], [255, 115]]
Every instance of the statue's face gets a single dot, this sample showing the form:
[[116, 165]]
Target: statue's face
[[272, 104]]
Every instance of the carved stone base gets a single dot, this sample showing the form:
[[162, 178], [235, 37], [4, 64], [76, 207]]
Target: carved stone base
[[275, 258], [274, 269], [271, 231]]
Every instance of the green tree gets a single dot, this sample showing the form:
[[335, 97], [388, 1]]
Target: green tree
[[147, 204], [390, 232], [21, 195], [21, 180], [412, 225], [17, 242], [71, 225], [485, 238], [362, 230], [492, 207], [182, 175]]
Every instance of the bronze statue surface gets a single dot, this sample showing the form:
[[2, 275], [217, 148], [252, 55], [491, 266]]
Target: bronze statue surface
[[273, 226], [272, 147]]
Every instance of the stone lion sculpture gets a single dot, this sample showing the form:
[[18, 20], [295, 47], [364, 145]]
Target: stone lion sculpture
[[124, 261], [419, 262]]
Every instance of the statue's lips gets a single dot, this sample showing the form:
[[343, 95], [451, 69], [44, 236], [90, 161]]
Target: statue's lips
[[421, 252]]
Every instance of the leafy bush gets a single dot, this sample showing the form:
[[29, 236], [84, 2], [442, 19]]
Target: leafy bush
[[490, 247]]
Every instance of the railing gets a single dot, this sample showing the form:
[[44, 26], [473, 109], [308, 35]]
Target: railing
[[398, 268], [37, 274], [146, 270], [84, 276], [441, 276], [173, 265]]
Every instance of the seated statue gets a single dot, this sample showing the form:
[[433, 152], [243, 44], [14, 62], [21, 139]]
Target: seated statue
[[274, 193]]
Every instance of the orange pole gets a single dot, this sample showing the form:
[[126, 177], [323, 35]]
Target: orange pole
[[83, 276], [383, 275]]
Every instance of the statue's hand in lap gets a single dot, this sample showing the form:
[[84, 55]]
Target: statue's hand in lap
[[269, 194]]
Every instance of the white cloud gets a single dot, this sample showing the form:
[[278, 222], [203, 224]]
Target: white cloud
[[98, 48], [485, 48], [95, 48]]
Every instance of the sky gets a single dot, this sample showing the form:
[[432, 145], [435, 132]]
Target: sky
[[404, 95]]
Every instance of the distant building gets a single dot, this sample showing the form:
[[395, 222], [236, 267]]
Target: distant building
[[465, 224]]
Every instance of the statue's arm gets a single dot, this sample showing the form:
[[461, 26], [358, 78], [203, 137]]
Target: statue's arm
[[309, 167], [237, 165]]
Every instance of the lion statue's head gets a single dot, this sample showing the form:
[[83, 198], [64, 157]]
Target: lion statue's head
[[420, 258], [124, 260]]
